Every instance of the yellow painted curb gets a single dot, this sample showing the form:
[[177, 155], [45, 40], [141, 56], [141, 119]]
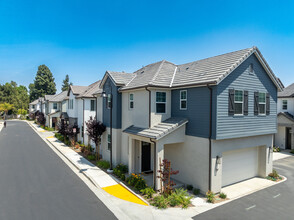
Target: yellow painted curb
[[51, 137], [122, 193]]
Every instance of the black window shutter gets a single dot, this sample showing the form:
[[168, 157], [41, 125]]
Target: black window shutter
[[245, 102], [256, 102], [231, 101], [267, 103]]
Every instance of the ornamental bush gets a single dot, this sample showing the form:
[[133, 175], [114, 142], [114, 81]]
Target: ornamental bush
[[103, 164], [137, 181]]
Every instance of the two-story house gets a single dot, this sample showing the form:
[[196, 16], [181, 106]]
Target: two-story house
[[214, 119], [37, 105], [285, 136], [81, 106]]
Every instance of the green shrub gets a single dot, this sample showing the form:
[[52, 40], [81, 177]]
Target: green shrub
[[160, 202], [223, 195], [136, 181], [196, 191], [276, 149], [123, 177], [148, 192], [274, 174], [180, 197], [50, 129], [123, 168], [91, 157], [103, 164], [210, 197], [292, 151], [189, 187], [67, 142]]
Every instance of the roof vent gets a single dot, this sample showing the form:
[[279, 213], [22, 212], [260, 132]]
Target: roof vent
[[187, 68], [142, 72]]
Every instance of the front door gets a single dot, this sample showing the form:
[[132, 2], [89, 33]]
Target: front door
[[288, 138], [146, 156]]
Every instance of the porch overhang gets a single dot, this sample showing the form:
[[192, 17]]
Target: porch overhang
[[285, 119], [158, 131], [54, 114], [64, 115]]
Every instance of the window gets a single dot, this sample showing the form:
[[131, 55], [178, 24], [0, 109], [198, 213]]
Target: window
[[92, 108], [183, 99], [55, 105], [33, 106], [131, 101], [109, 141], [109, 101], [70, 104], [251, 68], [261, 103], [285, 104], [238, 101], [160, 102]]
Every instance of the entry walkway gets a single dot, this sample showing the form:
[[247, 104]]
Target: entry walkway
[[97, 176]]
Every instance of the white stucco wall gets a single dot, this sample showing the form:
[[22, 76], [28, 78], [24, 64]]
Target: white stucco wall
[[290, 106], [157, 117], [280, 137], [99, 107], [87, 114], [139, 115], [191, 158], [263, 142]]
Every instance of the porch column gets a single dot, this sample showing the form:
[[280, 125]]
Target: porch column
[[131, 155], [292, 137], [159, 158]]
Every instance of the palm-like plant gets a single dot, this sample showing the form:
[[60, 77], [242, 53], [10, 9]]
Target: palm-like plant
[[6, 107]]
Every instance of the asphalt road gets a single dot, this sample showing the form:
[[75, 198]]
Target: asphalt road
[[35, 184], [276, 202]]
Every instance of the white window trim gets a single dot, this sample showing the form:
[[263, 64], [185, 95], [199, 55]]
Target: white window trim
[[131, 101], [285, 104], [183, 99], [242, 102], [54, 103], [263, 103], [160, 103]]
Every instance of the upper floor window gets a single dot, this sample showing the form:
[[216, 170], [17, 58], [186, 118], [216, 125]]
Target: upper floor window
[[160, 102], [92, 107], [33, 106], [70, 104], [238, 101], [131, 101], [55, 105], [183, 99], [109, 101], [261, 103], [285, 104], [251, 71]]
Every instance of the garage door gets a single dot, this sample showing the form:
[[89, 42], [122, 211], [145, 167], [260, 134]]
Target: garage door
[[239, 165]]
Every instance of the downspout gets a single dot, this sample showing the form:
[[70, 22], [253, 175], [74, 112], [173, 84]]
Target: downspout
[[83, 121], [210, 136], [96, 108], [154, 164], [149, 92]]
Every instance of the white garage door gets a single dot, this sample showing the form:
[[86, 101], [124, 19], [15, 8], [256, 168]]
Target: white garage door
[[239, 165]]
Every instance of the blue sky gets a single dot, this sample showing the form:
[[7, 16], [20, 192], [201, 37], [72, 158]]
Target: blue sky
[[86, 38]]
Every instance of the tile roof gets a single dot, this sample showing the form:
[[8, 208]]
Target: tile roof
[[34, 102], [92, 89], [287, 92], [77, 90], [121, 78], [158, 131], [287, 115], [210, 70], [48, 97], [59, 97]]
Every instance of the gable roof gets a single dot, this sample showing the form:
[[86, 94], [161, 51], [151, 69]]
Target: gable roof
[[92, 89], [48, 97], [287, 115], [34, 102], [118, 78], [287, 92], [76, 90], [202, 72], [59, 97]]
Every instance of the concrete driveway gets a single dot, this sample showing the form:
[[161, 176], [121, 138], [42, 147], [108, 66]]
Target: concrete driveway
[[275, 202]]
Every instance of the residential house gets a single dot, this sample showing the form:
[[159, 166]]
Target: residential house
[[285, 136], [81, 106], [36, 105], [214, 119]]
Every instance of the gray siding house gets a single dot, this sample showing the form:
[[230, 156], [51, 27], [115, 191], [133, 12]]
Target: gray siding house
[[214, 119]]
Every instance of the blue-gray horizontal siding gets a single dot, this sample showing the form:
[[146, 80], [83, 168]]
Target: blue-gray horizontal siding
[[242, 126], [197, 113], [109, 87]]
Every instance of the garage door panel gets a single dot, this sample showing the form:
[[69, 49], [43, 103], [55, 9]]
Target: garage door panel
[[239, 165]]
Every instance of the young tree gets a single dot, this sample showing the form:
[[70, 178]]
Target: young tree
[[6, 107], [165, 174], [95, 130], [44, 83], [62, 127], [41, 118], [66, 83], [72, 131]]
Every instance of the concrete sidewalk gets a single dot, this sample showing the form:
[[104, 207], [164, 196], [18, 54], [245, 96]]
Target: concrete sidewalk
[[281, 155], [137, 209]]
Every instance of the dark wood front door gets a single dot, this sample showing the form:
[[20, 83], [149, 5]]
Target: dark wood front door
[[54, 122], [146, 156], [288, 138]]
